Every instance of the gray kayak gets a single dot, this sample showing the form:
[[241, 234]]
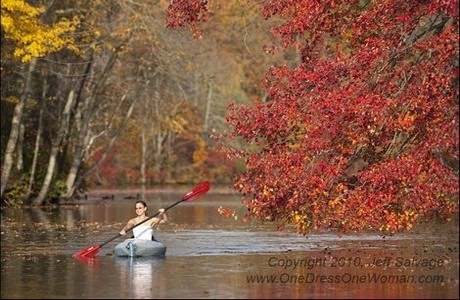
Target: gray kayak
[[139, 247]]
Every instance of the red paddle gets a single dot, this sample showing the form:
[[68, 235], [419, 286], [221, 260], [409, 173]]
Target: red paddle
[[197, 191]]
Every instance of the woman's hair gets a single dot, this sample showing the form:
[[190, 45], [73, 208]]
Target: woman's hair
[[143, 204]]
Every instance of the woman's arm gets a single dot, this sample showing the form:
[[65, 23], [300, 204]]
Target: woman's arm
[[163, 218], [127, 226]]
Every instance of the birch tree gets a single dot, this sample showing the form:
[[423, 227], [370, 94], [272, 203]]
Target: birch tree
[[63, 130], [21, 24]]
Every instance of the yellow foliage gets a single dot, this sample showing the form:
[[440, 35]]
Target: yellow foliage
[[177, 124], [21, 24], [333, 202], [200, 155], [301, 221], [267, 191], [11, 99]]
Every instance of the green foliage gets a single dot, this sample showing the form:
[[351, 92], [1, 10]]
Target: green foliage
[[16, 194], [57, 189]]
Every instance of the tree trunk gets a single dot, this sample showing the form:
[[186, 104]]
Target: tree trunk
[[71, 178], [208, 108], [15, 124], [143, 155], [20, 149], [83, 117], [55, 150], [36, 149], [144, 144]]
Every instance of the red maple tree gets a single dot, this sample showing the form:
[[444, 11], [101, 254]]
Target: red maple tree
[[187, 13], [363, 132]]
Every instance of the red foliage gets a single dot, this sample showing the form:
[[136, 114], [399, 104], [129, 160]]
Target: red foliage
[[187, 12], [217, 166], [107, 170], [378, 83]]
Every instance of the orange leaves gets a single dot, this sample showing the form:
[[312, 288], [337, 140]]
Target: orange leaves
[[396, 222], [200, 154], [406, 122], [226, 212]]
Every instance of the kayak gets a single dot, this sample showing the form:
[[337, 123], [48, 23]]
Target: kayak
[[139, 247]]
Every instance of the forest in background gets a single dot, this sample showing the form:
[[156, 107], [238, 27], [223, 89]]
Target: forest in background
[[354, 125], [111, 97]]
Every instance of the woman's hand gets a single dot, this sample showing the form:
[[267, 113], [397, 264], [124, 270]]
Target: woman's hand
[[162, 217], [122, 232]]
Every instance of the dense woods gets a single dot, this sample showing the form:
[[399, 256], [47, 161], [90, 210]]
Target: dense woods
[[324, 114], [104, 93]]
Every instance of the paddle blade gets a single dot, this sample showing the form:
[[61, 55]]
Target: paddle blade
[[197, 191], [88, 252]]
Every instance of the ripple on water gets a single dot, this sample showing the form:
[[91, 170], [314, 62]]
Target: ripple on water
[[194, 242]]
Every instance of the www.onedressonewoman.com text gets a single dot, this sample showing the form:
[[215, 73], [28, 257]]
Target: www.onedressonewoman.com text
[[345, 278], [311, 270]]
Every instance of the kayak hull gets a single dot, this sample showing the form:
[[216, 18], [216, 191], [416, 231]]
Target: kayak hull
[[139, 247]]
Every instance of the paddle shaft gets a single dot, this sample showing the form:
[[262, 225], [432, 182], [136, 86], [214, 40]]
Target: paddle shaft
[[197, 191], [119, 235]]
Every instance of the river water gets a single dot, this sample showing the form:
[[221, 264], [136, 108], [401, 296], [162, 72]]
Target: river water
[[209, 256]]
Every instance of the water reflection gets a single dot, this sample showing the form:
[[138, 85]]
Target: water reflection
[[141, 274], [88, 261], [208, 256]]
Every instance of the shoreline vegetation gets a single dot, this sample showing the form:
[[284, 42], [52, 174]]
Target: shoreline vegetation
[[133, 193], [163, 189]]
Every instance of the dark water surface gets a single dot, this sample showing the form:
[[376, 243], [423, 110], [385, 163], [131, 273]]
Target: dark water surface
[[209, 256]]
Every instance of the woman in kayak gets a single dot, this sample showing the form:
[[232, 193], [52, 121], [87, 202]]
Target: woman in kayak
[[145, 230]]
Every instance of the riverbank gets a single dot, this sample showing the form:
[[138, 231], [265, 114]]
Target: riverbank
[[140, 193]]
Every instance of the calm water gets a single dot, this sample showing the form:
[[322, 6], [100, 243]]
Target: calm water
[[209, 256]]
